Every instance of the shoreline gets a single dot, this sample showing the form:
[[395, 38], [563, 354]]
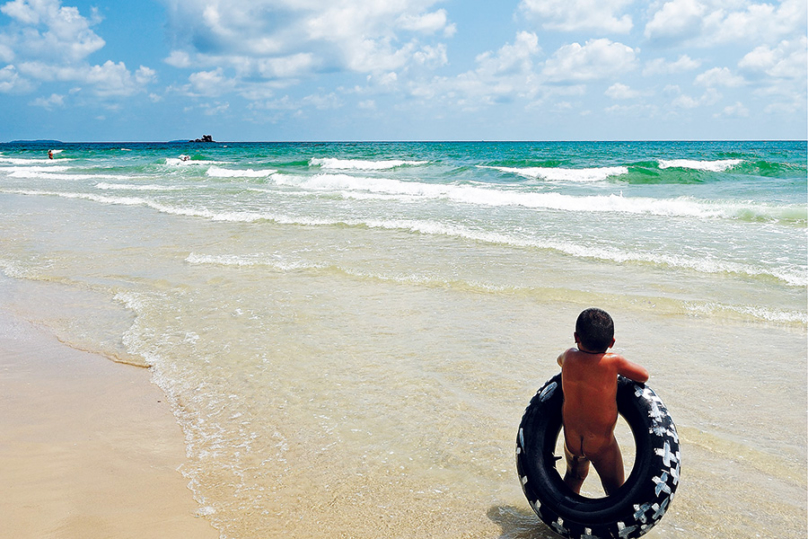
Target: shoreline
[[88, 448]]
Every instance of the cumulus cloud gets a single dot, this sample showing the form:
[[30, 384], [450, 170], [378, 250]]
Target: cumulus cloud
[[210, 83], [109, 79], [289, 40], [49, 42], [719, 76], [621, 91], [683, 101], [660, 66], [711, 22], [596, 59], [737, 110], [44, 29], [500, 76], [55, 100], [12, 82], [779, 74], [573, 15], [787, 60]]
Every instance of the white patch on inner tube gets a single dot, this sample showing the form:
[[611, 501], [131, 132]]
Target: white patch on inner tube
[[548, 392], [558, 525], [667, 456], [623, 531], [661, 484]]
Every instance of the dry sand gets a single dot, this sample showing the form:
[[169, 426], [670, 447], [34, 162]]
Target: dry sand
[[88, 448]]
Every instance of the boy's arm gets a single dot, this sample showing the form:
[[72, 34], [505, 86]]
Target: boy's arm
[[635, 372], [561, 357]]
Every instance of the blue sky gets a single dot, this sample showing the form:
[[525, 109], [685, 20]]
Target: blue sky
[[267, 70]]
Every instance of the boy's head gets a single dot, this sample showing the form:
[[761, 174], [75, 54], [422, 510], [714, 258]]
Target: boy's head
[[594, 329]]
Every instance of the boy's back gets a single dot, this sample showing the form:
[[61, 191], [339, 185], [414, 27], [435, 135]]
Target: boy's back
[[589, 382], [589, 413]]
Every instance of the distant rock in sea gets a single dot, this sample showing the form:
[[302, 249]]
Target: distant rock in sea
[[205, 138]]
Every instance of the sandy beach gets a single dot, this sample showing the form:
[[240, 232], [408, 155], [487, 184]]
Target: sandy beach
[[88, 448]]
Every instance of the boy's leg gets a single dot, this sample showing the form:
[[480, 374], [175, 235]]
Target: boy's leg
[[577, 470], [609, 465]]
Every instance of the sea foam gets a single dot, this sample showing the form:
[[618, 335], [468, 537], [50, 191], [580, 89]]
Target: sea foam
[[365, 187], [361, 164], [136, 187], [218, 172], [596, 174], [710, 166]]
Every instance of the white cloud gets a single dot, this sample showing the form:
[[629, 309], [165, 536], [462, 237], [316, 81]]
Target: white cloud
[[55, 100], [660, 66], [621, 91], [510, 59], [179, 59], [573, 15], [434, 22], [68, 36], [286, 103], [597, 59], [711, 22], [677, 20], [50, 42], [779, 74], [210, 83], [683, 101], [12, 82], [212, 110], [737, 110], [788, 60], [288, 39], [719, 76], [107, 80], [500, 76]]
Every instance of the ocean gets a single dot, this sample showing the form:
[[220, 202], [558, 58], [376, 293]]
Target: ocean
[[348, 333]]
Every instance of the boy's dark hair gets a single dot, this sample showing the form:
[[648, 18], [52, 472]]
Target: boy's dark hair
[[595, 329]]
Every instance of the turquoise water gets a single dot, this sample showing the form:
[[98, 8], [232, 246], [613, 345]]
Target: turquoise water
[[349, 332]]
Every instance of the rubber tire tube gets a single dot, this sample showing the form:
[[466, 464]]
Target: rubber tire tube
[[638, 504]]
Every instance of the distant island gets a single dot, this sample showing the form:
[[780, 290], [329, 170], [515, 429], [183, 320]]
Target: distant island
[[205, 138]]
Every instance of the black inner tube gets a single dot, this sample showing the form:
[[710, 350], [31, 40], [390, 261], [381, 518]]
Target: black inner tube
[[638, 503]]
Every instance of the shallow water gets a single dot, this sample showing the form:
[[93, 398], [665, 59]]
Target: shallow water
[[349, 334]]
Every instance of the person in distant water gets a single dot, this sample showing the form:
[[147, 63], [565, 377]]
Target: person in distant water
[[50, 154], [589, 413]]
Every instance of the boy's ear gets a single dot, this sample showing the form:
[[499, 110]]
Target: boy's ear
[[575, 336], [612, 343]]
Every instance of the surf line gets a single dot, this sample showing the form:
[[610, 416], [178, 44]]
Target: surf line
[[638, 505]]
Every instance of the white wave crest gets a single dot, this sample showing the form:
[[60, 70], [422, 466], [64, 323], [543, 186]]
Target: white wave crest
[[44, 175], [597, 174], [131, 187], [274, 261], [35, 169], [359, 187], [360, 164], [218, 172], [768, 315], [177, 162], [710, 166], [19, 161]]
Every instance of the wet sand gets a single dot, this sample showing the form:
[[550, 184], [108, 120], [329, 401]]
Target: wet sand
[[88, 448]]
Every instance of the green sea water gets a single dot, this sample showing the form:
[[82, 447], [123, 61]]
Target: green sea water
[[349, 333]]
